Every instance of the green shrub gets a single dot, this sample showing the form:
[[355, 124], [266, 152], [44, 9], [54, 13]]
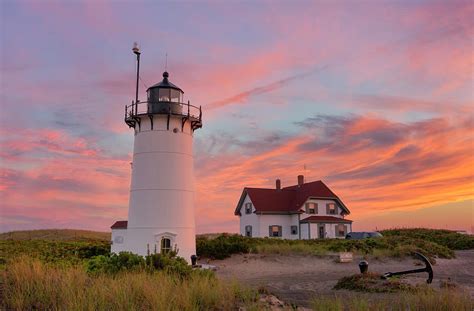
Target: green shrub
[[225, 245], [58, 252], [126, 261], [446, 238], [114, 263], [89, 251], [222, 246], [169, 263], [372, 283]]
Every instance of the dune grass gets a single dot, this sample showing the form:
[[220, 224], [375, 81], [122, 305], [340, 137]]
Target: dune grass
[[225, 245], [425, 300], [30, 284], [447, 238], [57, 235], [59, 252]]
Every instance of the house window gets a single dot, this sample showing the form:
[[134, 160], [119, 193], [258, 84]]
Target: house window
[[118, 239], [311, 208], [165, 245], [248, 208], [248, 231], [275, 231], [331, 209], [294, 229], [340, 230]]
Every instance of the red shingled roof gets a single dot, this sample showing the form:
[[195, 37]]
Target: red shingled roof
[[121, 224], [325, 219], [271, 199], [287, 200]]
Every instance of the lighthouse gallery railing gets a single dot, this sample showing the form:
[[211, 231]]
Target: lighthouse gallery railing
[[183, 110]]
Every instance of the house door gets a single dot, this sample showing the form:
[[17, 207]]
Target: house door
[[321, 231]]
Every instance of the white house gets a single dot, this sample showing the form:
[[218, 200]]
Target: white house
[[303, 211]]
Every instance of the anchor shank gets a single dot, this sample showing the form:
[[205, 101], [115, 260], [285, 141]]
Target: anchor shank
[[409, 271]]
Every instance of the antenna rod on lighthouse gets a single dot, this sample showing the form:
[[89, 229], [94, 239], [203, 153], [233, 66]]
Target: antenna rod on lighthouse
[[136, 50]]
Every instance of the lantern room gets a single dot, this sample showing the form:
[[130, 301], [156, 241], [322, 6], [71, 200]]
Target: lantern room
[[165, 91], [165, 97]]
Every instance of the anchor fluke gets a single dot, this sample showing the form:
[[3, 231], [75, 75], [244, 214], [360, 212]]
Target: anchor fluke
[[428, 268]]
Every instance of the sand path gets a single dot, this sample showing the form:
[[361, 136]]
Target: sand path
[[297, 279]]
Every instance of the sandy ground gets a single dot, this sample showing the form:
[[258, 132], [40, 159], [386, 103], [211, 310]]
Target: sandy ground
[[297, 279]]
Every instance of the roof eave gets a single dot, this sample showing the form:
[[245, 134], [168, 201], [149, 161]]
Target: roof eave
[[239, 204], [333, 198], [278, 212], [327, 221]]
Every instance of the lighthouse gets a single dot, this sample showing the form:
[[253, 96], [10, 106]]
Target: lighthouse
[[161, 204]]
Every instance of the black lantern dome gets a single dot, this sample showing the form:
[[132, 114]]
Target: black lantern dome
[[169, 91], [165, 96]]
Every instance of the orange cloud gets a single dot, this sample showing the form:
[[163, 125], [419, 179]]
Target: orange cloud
[[375, 165]]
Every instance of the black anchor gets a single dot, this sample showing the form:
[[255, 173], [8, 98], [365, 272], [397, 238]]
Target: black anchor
[[428, 269]]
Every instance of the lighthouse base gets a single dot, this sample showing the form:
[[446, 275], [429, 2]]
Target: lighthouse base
[[145, 241]]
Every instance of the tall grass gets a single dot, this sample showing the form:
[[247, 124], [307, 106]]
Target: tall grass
[[444, 300], [30, 284]]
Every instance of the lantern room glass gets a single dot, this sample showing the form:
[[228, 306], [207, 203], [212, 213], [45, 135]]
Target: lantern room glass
[[164, 95], [175, 96], [169, 95]]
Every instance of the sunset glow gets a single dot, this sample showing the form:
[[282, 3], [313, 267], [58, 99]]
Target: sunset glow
[[373, 98]]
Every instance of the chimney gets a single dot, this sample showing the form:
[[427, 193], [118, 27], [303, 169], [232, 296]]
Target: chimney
[[300, 180], [278, 184]]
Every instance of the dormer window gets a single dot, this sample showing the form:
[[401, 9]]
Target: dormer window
[[248, 208], [331, 209], [311, 208]]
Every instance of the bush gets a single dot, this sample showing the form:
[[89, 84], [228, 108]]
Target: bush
[[222, 246], [169, 263], [115, 263], [89, 251], [126, 261], [58, 252], [372, 283], [402, 245], [446, 238]]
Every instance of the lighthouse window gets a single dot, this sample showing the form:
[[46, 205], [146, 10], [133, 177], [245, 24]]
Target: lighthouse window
[[164, 95], [175, 94], [165, 245]]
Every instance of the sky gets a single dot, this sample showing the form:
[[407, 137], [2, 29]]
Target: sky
[[375, 98]]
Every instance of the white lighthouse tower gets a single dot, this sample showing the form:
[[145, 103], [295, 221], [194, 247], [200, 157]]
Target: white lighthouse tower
[[161, 206]]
